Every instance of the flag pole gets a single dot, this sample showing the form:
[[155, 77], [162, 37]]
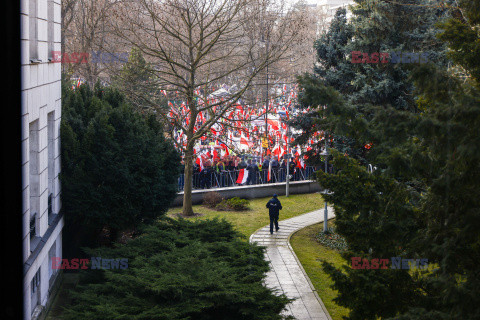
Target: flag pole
[[287, 184]]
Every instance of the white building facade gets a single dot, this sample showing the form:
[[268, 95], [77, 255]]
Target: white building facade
[[41, 114]]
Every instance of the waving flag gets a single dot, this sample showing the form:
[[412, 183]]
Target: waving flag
[[242, 176], [224, 146], [301, 163], [200, 163], [269, 177], [273, 124]]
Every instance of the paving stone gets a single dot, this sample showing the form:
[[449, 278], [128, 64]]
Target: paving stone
[[286, 275]]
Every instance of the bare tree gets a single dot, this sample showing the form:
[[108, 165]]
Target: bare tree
[[85, 30], [194, 46]]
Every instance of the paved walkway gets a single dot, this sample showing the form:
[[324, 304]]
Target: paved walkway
[[287, 274]]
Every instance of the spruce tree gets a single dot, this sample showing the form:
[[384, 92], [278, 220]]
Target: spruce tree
[[380, 214], [118, 170]]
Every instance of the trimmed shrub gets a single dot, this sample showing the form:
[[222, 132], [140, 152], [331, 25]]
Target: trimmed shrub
[[212, 199], [233, 204], [179, 269]]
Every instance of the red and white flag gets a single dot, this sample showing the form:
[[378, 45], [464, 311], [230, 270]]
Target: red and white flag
[[301, 163], [224, 146], [269, 177], [200, 163], [242, 176]]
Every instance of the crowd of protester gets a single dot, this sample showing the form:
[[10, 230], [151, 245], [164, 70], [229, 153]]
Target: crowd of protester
[[224, 171]]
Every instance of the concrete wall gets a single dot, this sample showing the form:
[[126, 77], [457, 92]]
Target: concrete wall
[[252, 192]]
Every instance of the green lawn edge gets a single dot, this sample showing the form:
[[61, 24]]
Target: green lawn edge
[[247, 222], [310, 253]]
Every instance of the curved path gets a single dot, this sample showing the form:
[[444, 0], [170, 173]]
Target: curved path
[[287, 274]]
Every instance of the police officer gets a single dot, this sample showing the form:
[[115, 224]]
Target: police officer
[[274, 206], [252, 169]]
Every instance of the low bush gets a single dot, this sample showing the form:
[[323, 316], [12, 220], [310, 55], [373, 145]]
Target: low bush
[[332, 240], [212, 199], [233, 204]]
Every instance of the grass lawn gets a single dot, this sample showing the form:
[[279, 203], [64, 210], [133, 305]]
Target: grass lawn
[[310, 252], [247, 222]]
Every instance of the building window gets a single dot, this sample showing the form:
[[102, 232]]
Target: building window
[[51, 161], [35, 290], [50, 33], [52, 253], [33, 230], [35, 282], [34, 180], [33, 31], [50, 199]]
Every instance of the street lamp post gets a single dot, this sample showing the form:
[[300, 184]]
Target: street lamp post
[[287, 184], [267, 102], [325, 213]]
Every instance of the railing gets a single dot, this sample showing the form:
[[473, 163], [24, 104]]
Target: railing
[[210, 179]]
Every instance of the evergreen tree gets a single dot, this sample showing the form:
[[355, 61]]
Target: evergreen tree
[[422, 122], [137, 83], [450, 143], [117, 168], [376, 26], [179, 269]]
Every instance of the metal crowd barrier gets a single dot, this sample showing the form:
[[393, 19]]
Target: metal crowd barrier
[[210, 179]]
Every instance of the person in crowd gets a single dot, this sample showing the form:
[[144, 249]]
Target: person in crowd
[[220, 165], [207, 174], [283, 171], [196, 175], [221, 172], [236, 161], [265, 164], [230, 164], [252, 169], [274, 206], [242, 164], [275, 165], [291, 169]]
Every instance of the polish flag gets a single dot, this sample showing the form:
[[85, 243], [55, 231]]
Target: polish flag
[[244, 141], [273, 124], [301, 163], [224, 146], [200, 163], [242, 176], [282, 152], [277, 151], [269, 176]]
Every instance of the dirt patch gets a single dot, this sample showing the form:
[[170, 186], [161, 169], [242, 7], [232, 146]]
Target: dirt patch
[[195, 214]]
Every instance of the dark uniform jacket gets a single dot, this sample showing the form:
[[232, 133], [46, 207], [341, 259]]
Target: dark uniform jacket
[[252, 169], [242, 165], [265, 165], [274, 163], [274, 206]]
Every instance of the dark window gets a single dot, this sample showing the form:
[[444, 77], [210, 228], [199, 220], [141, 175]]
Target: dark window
[[32, 226], [50, 199]]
